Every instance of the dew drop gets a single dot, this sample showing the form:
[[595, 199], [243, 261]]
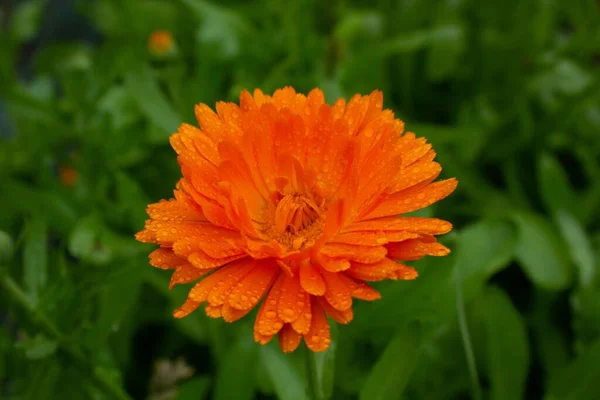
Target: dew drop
[[288, 312], [270, 314]]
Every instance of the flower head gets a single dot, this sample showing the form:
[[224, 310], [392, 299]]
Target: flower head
[[297, 203], [160, 43]]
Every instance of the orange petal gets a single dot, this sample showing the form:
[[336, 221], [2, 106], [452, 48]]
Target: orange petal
[[209, 122], [372, 238], [146, 236], [235, 170], [192, 143], [311, 279], [362, 254], [172, 210], [164, 258], [334, 218], [289, 339], [415, 249], [186, 273], [221, 289], [342, 317], [384, 269], [230, 314], [318, 337], [291, 299], [333, 264], [213, 311], [337, 293], [413, 148], [380, 168], [217, 245], [248, 292], [415, 174], [406, 273], [262, 339], [302, 323], [202, 289], [168, 232], [247, 101], [430, 226], [267, 321], [413, 199], [187, 307], [202, 261], [329, 149], [361, 290], [213, 211]]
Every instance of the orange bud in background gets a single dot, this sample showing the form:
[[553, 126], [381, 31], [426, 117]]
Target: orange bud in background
[[68, 175], [161, 43]]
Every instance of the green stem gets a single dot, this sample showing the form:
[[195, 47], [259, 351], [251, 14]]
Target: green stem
[[310, 377], [466, 339], [75, 353]]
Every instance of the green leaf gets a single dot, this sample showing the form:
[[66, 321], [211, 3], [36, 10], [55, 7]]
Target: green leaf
[[7, 248], [555, 189], [38, 347], [391, 373], [35, 257], [5, 347], [26, 19], [47, 374], [194, 389], [151, 101], [553, 347], [579, 381], [483, 249], [235, 363], [446, 51], [580, 247], [223, 28], [540, 252], [86, 241], [323, 367], [406, 43], [286, 380], [116, 301], [507, 346], [358, 25]]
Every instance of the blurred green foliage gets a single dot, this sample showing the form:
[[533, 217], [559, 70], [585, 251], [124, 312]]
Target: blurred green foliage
[[509, 94]]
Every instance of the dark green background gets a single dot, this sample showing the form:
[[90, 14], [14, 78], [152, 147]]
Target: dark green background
[[507, 91]]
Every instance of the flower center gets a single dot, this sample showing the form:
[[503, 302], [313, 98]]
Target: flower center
[[295, 213]]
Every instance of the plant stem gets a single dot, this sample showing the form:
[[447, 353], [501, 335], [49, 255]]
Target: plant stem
[[75, 353], [310, 377], [466, 339]]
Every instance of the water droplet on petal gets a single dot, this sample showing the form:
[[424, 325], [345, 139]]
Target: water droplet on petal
[[288, 312]]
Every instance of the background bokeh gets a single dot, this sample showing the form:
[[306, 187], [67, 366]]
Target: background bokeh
[[507, 91]]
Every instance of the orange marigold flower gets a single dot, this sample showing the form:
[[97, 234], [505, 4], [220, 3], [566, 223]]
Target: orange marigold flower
[[291, 199], [161, 43]]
